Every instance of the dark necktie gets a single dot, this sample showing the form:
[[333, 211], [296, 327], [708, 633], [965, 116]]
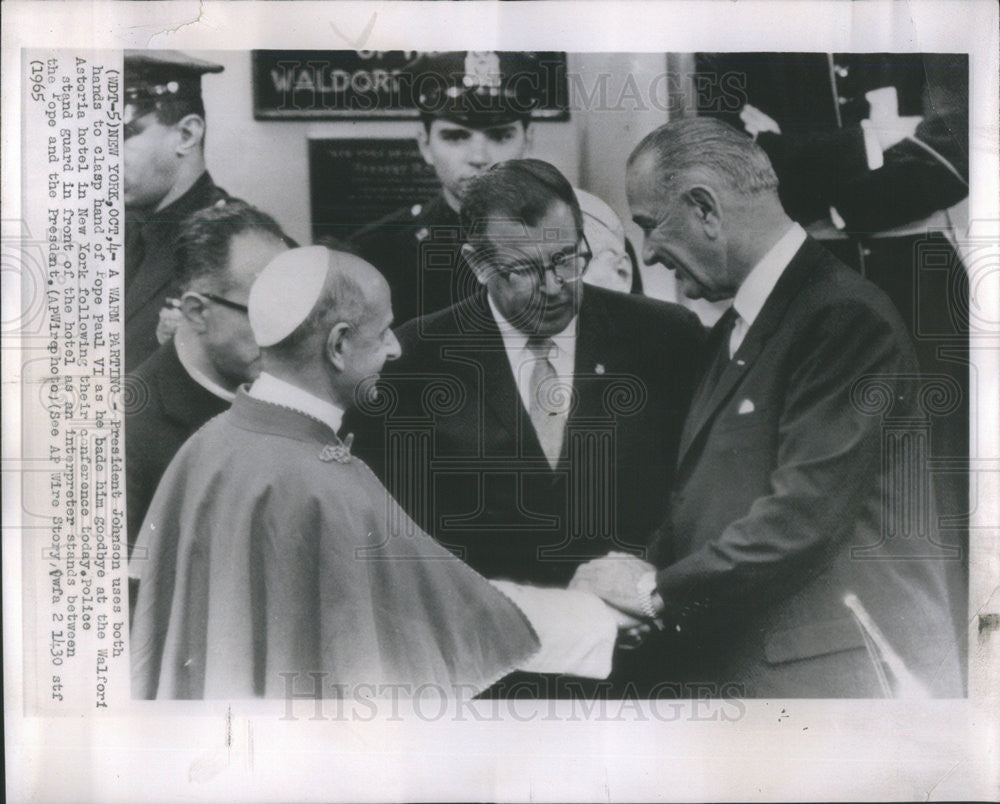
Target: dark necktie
[[721, 333]]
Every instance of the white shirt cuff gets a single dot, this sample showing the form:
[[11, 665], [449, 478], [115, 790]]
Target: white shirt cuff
[[577, 630], [873, 151]]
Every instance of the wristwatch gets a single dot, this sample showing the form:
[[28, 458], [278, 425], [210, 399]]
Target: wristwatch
[[650, 601]]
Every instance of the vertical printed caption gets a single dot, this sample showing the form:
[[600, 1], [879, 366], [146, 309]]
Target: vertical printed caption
[[76, 593]]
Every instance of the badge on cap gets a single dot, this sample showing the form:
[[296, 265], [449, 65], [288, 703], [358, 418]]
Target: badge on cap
[[155, 76], [482, 69]]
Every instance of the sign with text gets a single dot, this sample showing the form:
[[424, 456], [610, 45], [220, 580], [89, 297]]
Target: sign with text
[[325, 84]]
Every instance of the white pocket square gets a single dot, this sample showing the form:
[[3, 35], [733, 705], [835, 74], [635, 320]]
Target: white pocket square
[[746, 406]]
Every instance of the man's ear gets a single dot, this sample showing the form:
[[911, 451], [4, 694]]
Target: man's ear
[[193, 308], [705, 204], [336, 345], [477, 264], [192, 134]]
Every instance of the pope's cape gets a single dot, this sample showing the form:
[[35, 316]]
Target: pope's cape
[[271, 553]]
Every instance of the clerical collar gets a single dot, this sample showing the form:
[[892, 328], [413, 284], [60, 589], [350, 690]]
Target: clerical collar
[[268, 388], [750, 298], [185, 354]]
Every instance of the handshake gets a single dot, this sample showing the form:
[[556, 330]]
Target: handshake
[[628, 585]]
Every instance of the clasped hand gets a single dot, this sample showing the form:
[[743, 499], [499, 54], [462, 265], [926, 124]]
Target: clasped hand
[[613, 578]]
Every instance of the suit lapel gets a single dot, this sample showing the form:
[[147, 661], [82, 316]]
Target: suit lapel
[[756, 339], [502, 400], [594, 331]]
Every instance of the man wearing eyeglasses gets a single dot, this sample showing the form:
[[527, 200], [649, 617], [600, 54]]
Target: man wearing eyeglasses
[[164, 180], [476, 110], [535, 423], [194, 376]]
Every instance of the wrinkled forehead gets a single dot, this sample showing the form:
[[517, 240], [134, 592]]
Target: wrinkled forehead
[[641, 176], [368, 282]]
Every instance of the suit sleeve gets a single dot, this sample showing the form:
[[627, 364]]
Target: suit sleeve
[[828, 461]]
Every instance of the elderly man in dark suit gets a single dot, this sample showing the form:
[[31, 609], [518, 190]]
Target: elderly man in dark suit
[[794, 562], [872, 153], [535, 424]]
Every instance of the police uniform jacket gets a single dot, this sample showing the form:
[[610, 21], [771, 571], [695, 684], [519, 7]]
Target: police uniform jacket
[[151, 270], [418, 250]]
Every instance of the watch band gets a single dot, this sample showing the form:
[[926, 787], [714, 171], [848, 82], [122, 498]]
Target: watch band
[[645, 587]]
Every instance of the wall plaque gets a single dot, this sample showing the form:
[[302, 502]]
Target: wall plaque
[[354, 182]]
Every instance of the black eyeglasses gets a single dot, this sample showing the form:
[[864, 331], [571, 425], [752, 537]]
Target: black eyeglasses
[[566, 266], [220, 300]]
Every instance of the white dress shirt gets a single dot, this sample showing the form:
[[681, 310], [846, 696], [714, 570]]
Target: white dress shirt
[[753, 293], [522, 361], [577, 630]]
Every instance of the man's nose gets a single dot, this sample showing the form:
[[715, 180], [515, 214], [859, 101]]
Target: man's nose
[[648, 254], [479, 152], [395, 350], [553, 284]]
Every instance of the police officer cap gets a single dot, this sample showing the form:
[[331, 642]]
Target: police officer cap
[[153, 76], [286, 292], [475, 88]]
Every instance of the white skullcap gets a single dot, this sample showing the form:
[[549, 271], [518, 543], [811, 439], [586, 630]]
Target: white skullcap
[[286, 291]]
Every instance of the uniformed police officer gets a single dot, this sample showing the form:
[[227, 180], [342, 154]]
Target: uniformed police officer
[[476, 111], [165, 180]]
